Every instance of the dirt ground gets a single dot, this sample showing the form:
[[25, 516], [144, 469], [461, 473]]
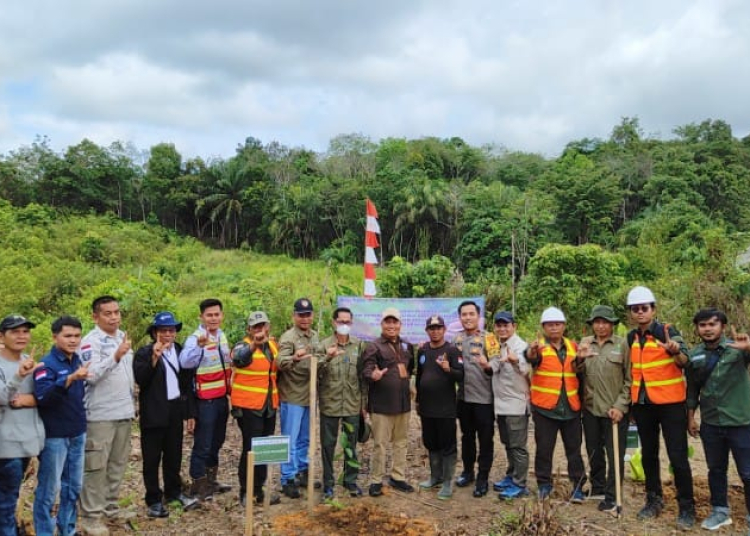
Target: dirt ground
[[414, 514]]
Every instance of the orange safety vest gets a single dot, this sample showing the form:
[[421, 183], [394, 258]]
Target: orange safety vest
[[214, 373], [552, 378], [652, 365], [252, 383]]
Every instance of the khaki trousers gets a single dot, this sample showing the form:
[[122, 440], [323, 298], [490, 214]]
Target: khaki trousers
[[107, 453], [389, 429]]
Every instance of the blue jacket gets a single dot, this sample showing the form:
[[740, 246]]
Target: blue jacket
[[61, 409]]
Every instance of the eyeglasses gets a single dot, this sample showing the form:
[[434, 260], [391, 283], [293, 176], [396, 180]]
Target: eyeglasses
[[640, 308]]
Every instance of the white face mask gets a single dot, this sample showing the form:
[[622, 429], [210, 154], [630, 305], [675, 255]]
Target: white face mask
[[343, 329]]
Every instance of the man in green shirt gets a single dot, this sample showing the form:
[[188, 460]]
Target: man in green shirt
[[719, 384]]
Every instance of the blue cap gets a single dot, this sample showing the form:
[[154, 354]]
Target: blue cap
[[164, 319], [505, 316]]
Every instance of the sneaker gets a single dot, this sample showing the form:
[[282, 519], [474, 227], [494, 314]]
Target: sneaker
[[652, 508], [500, 485], [400, 485], [513, 492], [354, 490], [607, 506], [481, 489], [157, 510], [717, 519], [327, 493], [464, 479], [376, 490], [686, 519], [577, 497], [545, 490], [185, 502], [291, 490]]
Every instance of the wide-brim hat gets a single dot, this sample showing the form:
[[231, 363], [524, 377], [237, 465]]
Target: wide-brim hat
[[603, 311], [164, 319]]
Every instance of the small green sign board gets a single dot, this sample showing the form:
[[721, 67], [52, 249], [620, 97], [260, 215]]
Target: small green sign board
[[633, 441], [270, 449]]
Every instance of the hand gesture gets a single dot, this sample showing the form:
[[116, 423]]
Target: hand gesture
[[532, 352], [671, 347], [378, 373], [586, 350], [741, 341], [203, 339], [81, 374], [511, 358], [444, 363], [302, 353], [333, 351], [123, 349], [158, 350], [26, 366]]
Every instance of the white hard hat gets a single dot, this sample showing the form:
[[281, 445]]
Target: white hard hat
[[553, 314], [639, 295]]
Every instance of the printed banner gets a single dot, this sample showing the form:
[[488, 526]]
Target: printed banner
[[414, 314]]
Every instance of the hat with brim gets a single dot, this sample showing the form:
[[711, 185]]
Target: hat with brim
[[603, 311], [390, 312], [164, 319], [15, 321]]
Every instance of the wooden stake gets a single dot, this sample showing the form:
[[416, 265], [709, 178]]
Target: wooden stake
[[313, 432], [618, 477], [249, 498]]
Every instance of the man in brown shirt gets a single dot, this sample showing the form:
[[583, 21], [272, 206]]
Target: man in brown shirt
[[388, 363]]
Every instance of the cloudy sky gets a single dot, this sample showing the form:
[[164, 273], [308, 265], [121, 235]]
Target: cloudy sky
[[526, 75]]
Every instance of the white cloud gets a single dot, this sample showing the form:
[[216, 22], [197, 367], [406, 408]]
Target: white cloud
[[530, 76]]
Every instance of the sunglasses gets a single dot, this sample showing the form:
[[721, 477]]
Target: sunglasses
[[640, 308]]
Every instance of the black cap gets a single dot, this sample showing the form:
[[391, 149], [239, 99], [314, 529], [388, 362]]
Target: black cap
[[303, 305], [435, 320], [504, 316], [15, 321]]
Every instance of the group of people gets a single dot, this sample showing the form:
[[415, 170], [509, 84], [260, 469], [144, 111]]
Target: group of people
[[74, 408]]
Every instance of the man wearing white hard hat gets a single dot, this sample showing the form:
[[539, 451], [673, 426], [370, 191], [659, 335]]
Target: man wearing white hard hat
[[658, 393], [555, 403]]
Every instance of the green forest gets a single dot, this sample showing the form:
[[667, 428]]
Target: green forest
[[163, 230]]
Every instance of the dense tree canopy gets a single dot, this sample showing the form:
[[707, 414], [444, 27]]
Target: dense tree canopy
[[491, 212]]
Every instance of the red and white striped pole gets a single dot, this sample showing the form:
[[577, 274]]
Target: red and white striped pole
[[372, 231]]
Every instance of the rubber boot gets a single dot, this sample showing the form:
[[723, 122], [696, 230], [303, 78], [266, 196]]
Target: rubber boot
[[436, 471], [201, 489], [216, 487], [449, 469]]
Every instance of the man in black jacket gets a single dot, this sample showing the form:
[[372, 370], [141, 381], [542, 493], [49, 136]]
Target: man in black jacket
[[165, 400], [387, 364]]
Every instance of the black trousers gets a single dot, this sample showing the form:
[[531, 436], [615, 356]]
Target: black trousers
[[600, 449], [329, 435], [252, 425], [672, 420], [477, 422], [163, 446], [545, 435], [439, 435]]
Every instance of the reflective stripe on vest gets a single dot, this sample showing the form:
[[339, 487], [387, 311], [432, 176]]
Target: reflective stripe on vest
[[552, 378], [214, 372], [251, 384], [652, 365]]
